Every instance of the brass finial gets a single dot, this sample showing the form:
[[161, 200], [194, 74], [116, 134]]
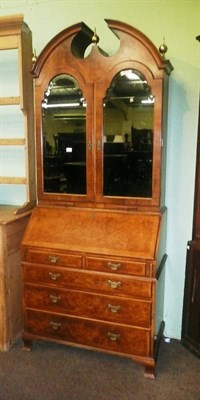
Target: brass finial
[[163, 48], [34, 57], [95, 38]]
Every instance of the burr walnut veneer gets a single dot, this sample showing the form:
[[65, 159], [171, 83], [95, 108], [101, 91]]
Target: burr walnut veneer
[[94, 249]]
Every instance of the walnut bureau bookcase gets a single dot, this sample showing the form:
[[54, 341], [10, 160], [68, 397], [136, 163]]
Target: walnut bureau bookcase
[[17, 174], [94, 248]]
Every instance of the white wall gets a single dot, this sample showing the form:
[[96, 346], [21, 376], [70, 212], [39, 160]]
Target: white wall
[[178, 22]]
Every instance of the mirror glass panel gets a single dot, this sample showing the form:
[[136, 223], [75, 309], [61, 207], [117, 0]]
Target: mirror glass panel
[[64, 137], [128, 110]]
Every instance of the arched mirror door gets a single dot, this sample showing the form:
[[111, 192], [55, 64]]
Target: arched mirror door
[[128, 115], [64, 136]]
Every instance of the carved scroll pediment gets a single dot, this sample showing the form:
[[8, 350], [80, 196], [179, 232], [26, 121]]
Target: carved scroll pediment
[[75, 40]]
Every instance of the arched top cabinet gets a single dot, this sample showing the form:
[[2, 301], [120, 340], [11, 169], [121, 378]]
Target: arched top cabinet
[[94, 249], [100, 120]]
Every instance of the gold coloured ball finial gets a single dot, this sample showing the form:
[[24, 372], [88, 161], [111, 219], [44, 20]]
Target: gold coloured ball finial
[[163, 48], [95, 38], [34, 57]]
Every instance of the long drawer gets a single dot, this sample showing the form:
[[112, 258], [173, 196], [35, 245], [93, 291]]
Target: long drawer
[[88, 280], [90, 305], [95, 334]]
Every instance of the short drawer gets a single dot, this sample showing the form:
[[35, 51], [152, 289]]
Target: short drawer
[[89, 305], [54, 258], [88, 281], [90, 333], [119, 266]]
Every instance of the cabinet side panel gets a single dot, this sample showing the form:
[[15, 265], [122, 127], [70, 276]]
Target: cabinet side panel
[[3, 260], [28, 109], [11, 322], [160, 285]]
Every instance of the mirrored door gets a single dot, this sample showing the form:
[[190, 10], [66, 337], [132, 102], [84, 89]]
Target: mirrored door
[[64, 137], [128, 118]]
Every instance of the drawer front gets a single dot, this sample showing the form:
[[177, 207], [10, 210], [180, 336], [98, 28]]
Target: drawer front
[[116, 266], [89, 305], [96, 282], [95, 334], [54, 258]]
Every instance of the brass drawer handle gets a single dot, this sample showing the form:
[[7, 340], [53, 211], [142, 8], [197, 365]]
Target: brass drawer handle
[[53, 259], [114, 266], [54, 276], [114, 309], [113, 336], [55, 325], [54, 299], [114, 284]]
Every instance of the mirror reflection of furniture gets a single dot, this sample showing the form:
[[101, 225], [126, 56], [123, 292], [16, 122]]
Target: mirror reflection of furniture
[[128, 100], [128, 169], [63, 117], [101, 245]]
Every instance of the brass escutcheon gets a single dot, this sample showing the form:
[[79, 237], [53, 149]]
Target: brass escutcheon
[[114, 266], [54, 276], [113, 308], [113, 336], [55, 325], [54, 299], [114, 284], [53, 259]]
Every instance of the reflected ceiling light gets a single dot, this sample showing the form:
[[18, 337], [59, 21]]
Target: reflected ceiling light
[[45, 105], [150, 100], [83, 102], [130, 75], [69, 117]]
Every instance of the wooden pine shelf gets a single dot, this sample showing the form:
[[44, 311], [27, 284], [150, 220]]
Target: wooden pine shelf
[[7, 101], [12, 142], [18, 180], [16, 35]]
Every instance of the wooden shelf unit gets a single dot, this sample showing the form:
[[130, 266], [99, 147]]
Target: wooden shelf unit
[[16, 37], [15, 209]]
